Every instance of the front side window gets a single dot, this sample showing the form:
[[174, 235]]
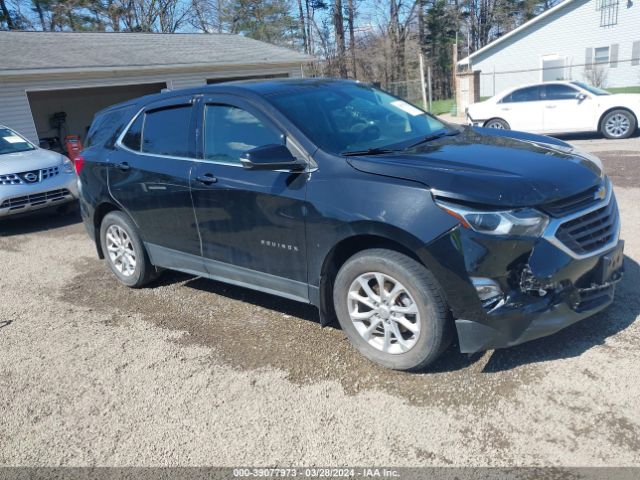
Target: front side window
[[344, 117], [11, 142], [230, 131], [560, 92], [166, 131], [601, 55], [528, 94]]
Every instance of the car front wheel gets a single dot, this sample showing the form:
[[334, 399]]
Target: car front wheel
[[618, 124], [391, 309], [124, 251]]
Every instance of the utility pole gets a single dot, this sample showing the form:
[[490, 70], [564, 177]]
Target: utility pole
[[422, 82]]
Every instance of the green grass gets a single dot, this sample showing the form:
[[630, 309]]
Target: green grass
[[438, 107], [624, 89]]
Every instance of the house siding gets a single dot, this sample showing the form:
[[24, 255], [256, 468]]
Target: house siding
[[15, 111], [572, 32]]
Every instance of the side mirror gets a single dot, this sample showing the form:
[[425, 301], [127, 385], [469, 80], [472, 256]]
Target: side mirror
[[44, 144], [271, 157], [581, 97]]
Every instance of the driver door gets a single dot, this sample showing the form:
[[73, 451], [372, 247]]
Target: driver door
[[564, 111], [251, 222]]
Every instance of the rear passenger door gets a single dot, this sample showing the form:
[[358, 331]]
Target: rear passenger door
[[149, 177], [523, 110]]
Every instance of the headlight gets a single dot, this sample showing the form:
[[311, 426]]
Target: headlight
[[67, 165], [523, 222]]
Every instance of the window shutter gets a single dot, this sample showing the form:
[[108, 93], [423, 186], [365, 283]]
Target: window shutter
[[635, 53], [613, 56], [588, 56]]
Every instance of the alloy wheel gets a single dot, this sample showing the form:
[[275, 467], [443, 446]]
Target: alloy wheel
[[384, 313], [617, 125], [496, 125], [120, 249]]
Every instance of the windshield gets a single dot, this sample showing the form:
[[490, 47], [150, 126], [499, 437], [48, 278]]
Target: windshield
[[589, 88], [11, 142], [348, 117]]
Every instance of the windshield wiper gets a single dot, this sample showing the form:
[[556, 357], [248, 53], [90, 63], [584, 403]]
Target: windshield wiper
[[433, 136], [368, 151]]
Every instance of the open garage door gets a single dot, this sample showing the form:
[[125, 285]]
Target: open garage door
[[58, 113]]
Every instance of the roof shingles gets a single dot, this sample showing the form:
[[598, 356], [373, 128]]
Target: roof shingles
[[28, 51]]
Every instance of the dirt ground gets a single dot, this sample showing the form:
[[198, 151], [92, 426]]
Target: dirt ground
[[194, 372]]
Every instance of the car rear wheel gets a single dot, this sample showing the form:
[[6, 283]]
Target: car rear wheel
[[124, 251], [497, 123], [618, 124], [392, 309]]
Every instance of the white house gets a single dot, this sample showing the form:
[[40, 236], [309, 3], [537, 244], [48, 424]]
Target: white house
[[597, 41], [46, 74]]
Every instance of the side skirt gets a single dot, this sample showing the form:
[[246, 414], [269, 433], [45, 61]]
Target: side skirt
[[227, 273]]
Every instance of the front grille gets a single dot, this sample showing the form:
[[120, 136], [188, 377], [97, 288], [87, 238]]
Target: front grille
[[16, 203], [573, 204], [590, 231], [10, 179], [32, 176]]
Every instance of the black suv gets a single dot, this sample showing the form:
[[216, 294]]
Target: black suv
[[340, 195]]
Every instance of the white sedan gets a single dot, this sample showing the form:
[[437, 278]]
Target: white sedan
[[559, 107]]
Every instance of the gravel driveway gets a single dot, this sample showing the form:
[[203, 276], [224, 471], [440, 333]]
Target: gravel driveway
[[193, 372]]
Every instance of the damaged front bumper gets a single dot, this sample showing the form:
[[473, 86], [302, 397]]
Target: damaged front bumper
[[543, 285]]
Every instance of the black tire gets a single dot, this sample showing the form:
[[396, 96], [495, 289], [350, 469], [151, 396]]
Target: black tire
[[436, 326], [144, 272], [622, 116], [497, 123]]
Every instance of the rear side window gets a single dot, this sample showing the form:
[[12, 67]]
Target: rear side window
[[105, 127], [528, 94], [166, 131]]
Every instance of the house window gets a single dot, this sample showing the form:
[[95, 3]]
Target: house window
[[601, 55], [608, 12]]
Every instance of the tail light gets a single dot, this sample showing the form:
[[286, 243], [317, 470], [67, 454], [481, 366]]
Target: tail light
[[78, 162]]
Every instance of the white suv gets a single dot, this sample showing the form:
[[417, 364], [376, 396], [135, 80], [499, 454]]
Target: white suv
[[31, 177]]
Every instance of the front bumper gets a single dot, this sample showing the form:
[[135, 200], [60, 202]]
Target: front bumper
[[543, 285], [23, 198]]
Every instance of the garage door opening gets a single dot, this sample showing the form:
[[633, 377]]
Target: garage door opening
[[58, 113]]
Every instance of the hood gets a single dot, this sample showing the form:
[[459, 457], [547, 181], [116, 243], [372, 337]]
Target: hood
[[29, 160], [492, 167]]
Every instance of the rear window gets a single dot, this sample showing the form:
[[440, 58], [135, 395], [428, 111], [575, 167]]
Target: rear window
[[105, 127], [166, 131]]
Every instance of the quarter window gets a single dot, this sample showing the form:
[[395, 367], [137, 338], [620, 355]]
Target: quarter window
[[166, 131], [560, 92], [231, 131], [528, 94], [133, 137]]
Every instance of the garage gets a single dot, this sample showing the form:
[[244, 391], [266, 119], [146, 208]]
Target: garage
[[59, 113], [52, 83]]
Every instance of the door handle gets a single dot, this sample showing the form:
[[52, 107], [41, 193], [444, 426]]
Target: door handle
[[124, 166], [505, 109], [551, 106], [206, 178]]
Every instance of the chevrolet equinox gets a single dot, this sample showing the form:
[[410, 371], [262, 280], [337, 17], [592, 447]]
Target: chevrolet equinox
[[408, 230]]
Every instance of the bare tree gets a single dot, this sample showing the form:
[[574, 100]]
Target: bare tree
[[338, 28], [351, 14]]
